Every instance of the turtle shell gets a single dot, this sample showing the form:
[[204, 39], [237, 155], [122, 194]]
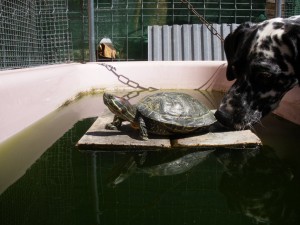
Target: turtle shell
[[176, 109]]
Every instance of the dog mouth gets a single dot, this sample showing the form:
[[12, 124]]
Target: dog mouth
[[224, 119], [238, 121]]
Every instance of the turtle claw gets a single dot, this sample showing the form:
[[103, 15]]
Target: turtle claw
[[110, 126], [115, 124], [144, 138]]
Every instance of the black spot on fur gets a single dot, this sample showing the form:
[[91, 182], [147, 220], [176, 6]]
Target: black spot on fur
[[266, 43], [260, 54], [279, 58], [277, 25]]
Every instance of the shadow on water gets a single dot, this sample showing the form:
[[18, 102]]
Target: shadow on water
[[213, 186]]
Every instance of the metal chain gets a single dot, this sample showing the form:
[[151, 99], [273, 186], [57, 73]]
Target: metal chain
[[125, 80], [203, 20]]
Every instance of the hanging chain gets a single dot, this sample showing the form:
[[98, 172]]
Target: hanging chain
[[203, 20], [125, 80]]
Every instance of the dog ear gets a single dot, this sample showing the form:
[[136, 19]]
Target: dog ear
[[291, 37], [236, 48]]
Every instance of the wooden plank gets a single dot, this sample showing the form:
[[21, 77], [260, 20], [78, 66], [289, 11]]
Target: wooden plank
[[127, 139], [97, 137], [244, 138]]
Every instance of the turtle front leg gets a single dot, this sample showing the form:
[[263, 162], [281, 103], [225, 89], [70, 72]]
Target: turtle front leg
[[115, 124], [143, 129]]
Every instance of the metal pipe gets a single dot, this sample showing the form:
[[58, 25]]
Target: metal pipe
[[92, 50], [95, 187], [278, 8]]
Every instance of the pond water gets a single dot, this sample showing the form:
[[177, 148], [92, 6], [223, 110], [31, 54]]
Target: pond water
[[44, 179]]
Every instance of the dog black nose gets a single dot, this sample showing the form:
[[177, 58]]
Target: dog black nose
[[224, 118]]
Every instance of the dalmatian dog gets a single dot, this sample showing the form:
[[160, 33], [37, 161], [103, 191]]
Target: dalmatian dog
[[264, 60]]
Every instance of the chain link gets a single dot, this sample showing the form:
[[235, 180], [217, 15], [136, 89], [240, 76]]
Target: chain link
[[203, 20], [125, 80]]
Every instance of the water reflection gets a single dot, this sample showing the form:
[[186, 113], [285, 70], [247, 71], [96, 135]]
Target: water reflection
[[254, 181], [261, 186], [155, 163]]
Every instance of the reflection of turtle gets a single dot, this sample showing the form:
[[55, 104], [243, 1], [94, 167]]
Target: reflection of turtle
[[164, 113], [185, 162], [156, 164]]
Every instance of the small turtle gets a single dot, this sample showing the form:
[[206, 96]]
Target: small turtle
[[164, 113]]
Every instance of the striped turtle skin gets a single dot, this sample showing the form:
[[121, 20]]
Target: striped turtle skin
[[164, 113]]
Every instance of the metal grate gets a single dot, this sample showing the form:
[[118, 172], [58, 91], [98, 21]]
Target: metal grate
[[186, 42], [125, 22], [18, 34], [291, 8], [33, 33], [54, 31]]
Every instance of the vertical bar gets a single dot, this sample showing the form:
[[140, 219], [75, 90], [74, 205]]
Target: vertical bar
[[235, 11], [278, 8], [95, 187], [206, 43], [220, 10], [251, 10], [186, 42], [166, 42], [150, 44], [127, 31], [226, 29], [142, 27], [157, 43], [216, 49], [92, 50], [196, 40], [177, 42]]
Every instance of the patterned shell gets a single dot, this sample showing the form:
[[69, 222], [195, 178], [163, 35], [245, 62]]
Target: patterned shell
[[176, 109]]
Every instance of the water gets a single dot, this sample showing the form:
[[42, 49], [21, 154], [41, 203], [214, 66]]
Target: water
[[48, 181]]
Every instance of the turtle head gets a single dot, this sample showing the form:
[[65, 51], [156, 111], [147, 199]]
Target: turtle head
[[120, 107]]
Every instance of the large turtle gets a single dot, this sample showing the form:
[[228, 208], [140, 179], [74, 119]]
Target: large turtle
[[164, 113]]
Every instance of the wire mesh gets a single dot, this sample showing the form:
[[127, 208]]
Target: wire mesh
[[125, 22], [291, 7], [53, 31], [34, 33], [19, 38]]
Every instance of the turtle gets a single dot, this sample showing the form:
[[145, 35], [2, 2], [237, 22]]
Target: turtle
[[163, 113]]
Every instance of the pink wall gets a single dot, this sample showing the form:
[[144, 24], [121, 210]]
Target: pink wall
[[27, 95]]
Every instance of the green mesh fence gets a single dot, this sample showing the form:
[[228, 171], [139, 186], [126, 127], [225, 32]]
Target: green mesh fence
[[291, 7], [34, 33], [125, 22]]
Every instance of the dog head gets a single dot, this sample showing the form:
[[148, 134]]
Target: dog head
[[265, 61]]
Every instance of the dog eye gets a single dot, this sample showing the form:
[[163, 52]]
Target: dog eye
[[265, 75], [265, 78]]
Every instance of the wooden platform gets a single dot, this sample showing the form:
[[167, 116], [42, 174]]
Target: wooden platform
[[127, 139]]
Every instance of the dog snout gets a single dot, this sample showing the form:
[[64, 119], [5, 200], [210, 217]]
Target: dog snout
[[224, 118]]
